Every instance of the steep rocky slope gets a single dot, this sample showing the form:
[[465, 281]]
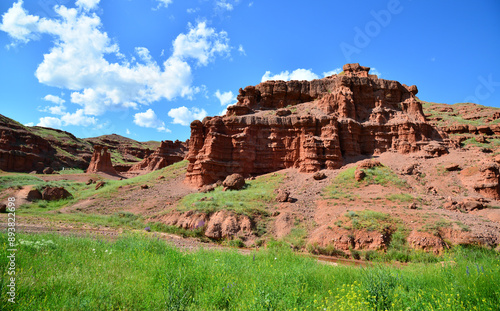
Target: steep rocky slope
[[26, 149], [309, 125]]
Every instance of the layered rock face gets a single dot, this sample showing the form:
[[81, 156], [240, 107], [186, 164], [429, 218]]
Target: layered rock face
[[21, 150], [168, 153], [101, 161], [309, 125]]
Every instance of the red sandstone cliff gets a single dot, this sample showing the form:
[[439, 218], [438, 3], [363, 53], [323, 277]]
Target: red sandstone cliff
[[167, 153], [101, 161], [310, 125]]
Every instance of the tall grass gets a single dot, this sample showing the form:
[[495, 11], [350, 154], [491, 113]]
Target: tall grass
[[143, 273]]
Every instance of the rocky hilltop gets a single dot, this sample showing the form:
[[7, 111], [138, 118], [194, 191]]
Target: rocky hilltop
[[309, 125], [33, 148]]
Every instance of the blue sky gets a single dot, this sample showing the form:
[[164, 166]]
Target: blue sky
[[146, 68]]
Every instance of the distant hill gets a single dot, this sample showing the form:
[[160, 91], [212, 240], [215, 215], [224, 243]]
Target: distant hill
[[32, 148]]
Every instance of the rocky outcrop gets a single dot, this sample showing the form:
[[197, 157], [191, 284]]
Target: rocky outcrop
[[21, 150], [309, 125], [488, 184], [130, 150], [101, 161], [169, 152], [218, 225], [28, 149]]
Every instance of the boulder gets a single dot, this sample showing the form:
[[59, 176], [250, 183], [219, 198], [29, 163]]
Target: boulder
[[234, 182], [207, 188], [48, 170], [319, 176], [359, 175], [34, 195], [452, 167], [282, 196], [55, 193]]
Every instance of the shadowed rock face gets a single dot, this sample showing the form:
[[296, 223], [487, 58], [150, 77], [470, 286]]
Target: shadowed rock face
[[168, 153], [101, 161], [309, 125]]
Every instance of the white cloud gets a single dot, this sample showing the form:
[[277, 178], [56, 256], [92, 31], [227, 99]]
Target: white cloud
[[78, 60], [19, 24], [78, 118], [298, 74], [29, 124], [250, 4], [59, 109], [374, 71], [150, 119], [51, 122], [241, 50], [225, 98], [185, 116], [201, 43], [335, 71], [127, 131], [192, 10], [55, 99], [222, 4], [163, 3], [87, 4]]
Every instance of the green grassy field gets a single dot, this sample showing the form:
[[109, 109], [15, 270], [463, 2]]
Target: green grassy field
[[140, 272], [255, 198], [48, 210]]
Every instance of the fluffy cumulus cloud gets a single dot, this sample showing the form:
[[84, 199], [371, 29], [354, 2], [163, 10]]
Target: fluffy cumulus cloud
[[77, 118], [79, 59], [151, 120], [87, 4], [55, 99], [226, 98], [201, 43], [20, 26], [51, 122], [298, 74], [184, 116]]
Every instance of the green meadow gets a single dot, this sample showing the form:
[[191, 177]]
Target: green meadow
[[142, 272]]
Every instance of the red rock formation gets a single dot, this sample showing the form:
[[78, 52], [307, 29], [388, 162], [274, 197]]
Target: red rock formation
[[168, 153], [20, 150], [309, 125], [488, 183], [101, 161]]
